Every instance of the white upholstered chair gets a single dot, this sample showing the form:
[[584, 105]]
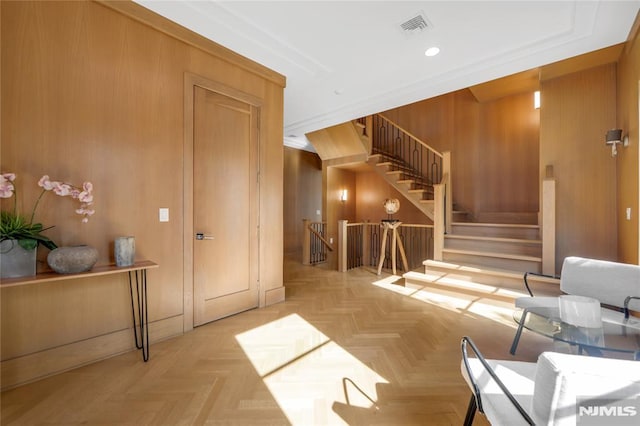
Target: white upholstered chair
[[615, 285], [550, 391]]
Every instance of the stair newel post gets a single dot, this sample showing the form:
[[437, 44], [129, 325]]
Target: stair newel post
[[438, 220], [342, 245], [366, 242], [549, 222], [446, 179], [306, 242]]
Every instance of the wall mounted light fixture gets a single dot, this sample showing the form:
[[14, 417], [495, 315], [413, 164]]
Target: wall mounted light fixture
[[343, 195], [613, 138], [536, 99]]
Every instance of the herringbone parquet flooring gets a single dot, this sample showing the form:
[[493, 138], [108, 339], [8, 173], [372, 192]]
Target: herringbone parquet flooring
[[344, 348]]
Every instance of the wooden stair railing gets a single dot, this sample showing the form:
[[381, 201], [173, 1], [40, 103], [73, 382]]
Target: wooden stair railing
[[364, 244], [407, 152], [414, 167]]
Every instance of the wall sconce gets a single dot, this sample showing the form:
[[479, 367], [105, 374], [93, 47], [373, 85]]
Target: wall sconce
[[343, 195], [613, 138], [536, 99]]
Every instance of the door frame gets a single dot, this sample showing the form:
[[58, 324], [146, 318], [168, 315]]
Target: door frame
[[191, 80]]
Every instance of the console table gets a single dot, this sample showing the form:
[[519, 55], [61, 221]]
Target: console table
[[137, 278]]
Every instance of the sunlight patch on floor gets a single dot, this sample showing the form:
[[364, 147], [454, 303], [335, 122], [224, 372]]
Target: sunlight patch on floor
[[388, 283], [460, 302], [468, 284], [306, 372]]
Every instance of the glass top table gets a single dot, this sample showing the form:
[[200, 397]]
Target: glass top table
[[616, 333]]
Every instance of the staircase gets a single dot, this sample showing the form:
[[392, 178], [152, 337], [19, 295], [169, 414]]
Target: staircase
[[405, 162], [515, 247], [488, 252], [405, 180]]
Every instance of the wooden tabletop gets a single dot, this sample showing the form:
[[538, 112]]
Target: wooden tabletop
[[95, 271]]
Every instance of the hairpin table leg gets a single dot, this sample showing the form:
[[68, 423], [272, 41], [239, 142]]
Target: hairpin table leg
[[143, 314]]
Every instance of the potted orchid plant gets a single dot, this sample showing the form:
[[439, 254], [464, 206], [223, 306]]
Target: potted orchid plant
[[19, 230]]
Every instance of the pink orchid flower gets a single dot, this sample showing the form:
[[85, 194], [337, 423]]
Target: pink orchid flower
[[62, 189], [46, 183], [6, 187], [84, 194]]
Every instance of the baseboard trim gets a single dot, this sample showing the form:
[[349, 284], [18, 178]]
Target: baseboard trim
[[275, 295], [35, 366]]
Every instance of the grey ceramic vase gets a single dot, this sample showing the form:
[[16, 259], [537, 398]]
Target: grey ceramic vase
[[73, 259], [124, 250]]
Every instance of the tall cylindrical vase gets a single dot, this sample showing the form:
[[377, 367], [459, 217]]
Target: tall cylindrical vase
[[124, 251]]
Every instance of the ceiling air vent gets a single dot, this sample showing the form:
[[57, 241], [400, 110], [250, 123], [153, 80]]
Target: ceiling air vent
[[415, 24]]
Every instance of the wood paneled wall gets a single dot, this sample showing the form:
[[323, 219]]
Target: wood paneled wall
[[372, 191], [335, 179], [494, 147], [505, 178], [302, 194], [90, 93], [577, 110], [627, 173]]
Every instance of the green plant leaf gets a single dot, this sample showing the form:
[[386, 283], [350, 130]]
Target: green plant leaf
[[15, 227], [28, 244]]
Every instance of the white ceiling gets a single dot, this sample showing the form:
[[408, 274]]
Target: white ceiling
[[347, 59]]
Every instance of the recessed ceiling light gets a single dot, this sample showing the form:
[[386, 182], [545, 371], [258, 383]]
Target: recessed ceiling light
[[432, 51]]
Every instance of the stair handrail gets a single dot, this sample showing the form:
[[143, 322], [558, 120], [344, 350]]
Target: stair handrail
[[410, 135], [321, 238], [309, 258]]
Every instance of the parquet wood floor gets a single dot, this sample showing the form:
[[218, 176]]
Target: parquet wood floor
[[344, 348]]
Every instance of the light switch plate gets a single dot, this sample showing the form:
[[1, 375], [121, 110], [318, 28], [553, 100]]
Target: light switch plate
[[163, 215]]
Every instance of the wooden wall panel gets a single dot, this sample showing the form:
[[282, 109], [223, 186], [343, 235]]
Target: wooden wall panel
[[432, 120], [372, 191], [271, 192], [302, 194], [465, 151], [506, 178], [335, 179], [493, 147], [627, 174], [91, 94], [576, 112]]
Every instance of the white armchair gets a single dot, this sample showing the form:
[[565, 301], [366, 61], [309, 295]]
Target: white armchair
[[559, 389], [615, 285]]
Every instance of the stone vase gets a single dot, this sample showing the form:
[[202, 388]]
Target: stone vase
[[73, 259], [16, 261]]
